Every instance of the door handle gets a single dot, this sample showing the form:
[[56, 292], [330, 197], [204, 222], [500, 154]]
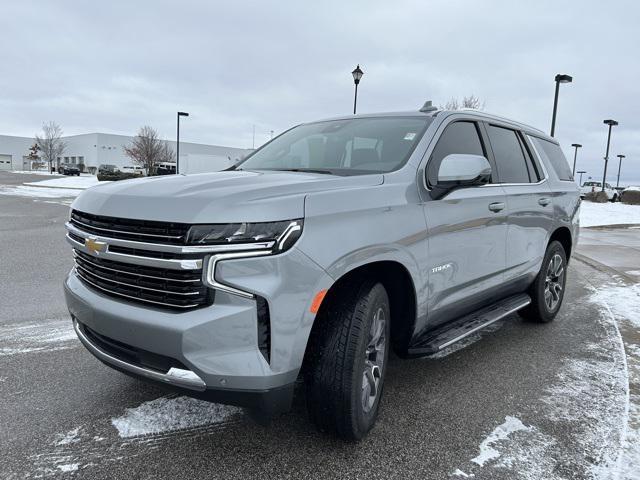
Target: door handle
[[544, 201], [496, 206]]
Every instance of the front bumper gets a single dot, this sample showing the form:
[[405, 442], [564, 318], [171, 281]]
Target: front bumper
[[217, 346]]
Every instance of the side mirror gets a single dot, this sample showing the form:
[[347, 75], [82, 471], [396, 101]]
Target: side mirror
[[459, 170]]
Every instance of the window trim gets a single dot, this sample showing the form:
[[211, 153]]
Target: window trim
[[481, 137]]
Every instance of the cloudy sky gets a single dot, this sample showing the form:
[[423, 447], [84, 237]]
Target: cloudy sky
[[113, 66]]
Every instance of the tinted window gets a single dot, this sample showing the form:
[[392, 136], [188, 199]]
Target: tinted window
[[553, 156], [458, 137], [507, 151], [343, 147]]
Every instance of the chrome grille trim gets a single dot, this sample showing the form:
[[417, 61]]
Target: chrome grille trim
[[159, 247], [111, 292], [124, 272], [171, 264], [172, 292]]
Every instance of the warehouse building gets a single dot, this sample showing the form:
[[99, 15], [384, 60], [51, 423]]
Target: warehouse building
[[90, 150]]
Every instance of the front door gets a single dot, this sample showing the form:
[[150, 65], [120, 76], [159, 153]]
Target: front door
[[467, 231]]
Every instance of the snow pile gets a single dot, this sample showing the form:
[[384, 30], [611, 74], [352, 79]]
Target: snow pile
[[170, 414], [36, 336], [81, 182], [595, 214], [38, 192]]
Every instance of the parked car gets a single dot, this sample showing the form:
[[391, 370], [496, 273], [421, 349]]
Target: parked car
[[323, 250], [588, 187], [166, 168], [107, 169], [134, 169], [69, 169]]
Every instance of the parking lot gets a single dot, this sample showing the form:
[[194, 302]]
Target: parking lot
[[522, 400]]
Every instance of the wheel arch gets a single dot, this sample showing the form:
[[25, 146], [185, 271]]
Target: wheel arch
[[563, 235], [400, 287]]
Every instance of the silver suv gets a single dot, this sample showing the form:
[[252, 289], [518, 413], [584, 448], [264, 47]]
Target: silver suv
[[327, 247]]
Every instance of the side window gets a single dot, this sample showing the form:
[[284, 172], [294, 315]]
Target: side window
[[553, 155], [458, 137], [510, 160]]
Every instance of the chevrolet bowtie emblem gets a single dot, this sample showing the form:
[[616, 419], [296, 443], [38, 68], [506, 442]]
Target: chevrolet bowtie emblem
[[94, 246]]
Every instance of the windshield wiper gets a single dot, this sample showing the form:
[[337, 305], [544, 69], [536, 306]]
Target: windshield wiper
[[304, 170]]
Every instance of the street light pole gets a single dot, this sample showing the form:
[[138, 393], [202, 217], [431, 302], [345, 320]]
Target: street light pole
[[581, 172], [560, 78], [611, 123], [575, 156], [619, 165], [180, 114], [357, 75]]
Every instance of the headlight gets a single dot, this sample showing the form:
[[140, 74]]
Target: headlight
[[283, 234]]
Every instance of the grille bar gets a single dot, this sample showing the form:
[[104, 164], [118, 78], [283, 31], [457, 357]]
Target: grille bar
[[134, 286], [85, 258], [131, 229], [148, 285], [111, 292]]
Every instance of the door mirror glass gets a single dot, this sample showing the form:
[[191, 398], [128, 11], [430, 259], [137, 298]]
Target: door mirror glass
[[461, 170]]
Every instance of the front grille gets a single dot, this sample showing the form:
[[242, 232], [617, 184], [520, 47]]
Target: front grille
[[163, 288], [170, 233]]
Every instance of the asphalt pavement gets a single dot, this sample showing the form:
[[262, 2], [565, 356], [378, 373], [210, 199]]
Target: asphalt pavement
[[523, 400]]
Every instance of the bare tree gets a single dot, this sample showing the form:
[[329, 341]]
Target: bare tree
[[50, 143], [147, 150], [467, 102]]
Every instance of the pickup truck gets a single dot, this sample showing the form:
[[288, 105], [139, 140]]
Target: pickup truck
[[318, 254], [590, 186]]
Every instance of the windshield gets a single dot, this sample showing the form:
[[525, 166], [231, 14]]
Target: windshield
[[342, 147]]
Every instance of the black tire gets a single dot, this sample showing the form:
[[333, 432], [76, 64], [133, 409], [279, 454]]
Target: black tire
[[335, 374], [544, 308]]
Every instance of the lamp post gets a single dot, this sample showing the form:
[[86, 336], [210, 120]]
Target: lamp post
[[357, 75], [581, 172], [619, 165], [180, 114], [560, 78], [575, 156], [611, 123]]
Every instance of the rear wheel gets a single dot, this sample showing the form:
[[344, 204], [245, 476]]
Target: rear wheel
[[547, 290], [347, 360]]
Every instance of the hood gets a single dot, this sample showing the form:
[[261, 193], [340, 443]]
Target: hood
[[232, 196]]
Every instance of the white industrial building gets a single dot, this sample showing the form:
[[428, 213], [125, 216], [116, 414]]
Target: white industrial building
[[94, 149]]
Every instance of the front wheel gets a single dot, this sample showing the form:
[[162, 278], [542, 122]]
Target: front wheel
[[547, 290], [347, 360]]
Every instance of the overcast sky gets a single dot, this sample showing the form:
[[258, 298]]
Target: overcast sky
[[113, 66]]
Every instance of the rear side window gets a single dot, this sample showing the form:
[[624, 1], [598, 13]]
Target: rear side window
[[507, 150], [458, 137], [552, 155]]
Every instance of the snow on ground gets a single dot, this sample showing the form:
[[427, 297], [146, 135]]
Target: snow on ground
[[34, 172], [38, 192], [595, 214], [589, 397], [624, 303], [500, 433], [81, 182], [47, 335], [168, 414]]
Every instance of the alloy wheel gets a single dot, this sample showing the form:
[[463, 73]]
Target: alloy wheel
[[554, 282], [374, 360]]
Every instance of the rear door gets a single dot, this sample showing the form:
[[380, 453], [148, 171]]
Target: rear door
[[467, 232], [528, 198]]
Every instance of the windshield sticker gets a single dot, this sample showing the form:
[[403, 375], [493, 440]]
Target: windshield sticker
[[410, 136]]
